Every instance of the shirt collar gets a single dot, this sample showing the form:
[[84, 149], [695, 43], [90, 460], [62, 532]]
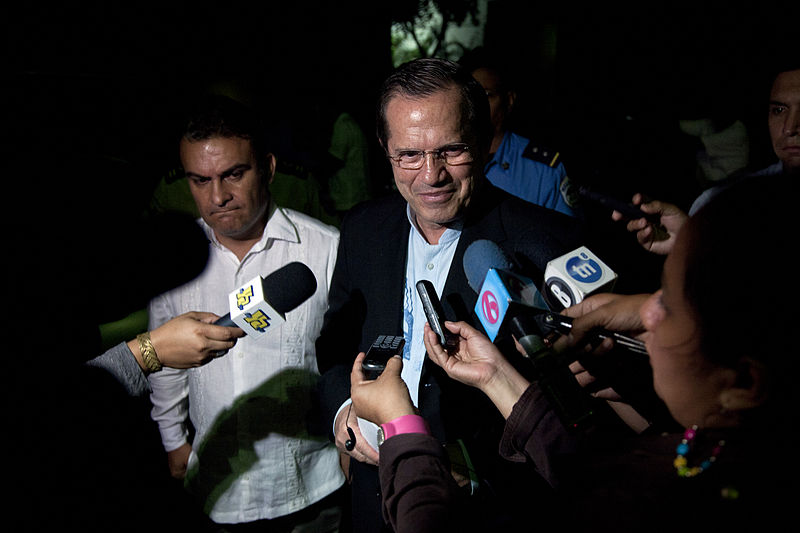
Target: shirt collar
[[452, 232], [499, 154], [278, 228]]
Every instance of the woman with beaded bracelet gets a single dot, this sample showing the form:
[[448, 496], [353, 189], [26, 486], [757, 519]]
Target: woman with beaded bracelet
[[719, 342]]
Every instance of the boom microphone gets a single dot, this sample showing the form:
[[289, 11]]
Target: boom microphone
[[262, 303], [506, 304]]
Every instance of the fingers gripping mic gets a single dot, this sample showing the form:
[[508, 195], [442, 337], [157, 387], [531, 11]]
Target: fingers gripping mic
[[262, 303], [504, 298]]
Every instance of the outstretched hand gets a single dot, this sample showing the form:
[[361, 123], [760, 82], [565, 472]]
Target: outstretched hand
[[478, 363], [189, 340], [660, 238], [613, 312]]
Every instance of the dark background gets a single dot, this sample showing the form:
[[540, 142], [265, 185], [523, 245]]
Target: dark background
[[602, 83], [90, 92]]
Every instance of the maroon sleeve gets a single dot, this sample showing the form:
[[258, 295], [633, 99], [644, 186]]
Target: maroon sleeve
[[419, 493], [534, 433]]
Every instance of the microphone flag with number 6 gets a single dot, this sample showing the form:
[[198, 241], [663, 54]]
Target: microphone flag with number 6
[[501, 292]]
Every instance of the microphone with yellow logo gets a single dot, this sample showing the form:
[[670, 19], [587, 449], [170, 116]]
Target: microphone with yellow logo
[[262, 303]]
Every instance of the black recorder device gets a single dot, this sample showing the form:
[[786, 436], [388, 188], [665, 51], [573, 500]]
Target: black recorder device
[[384, 348], [628, 210], [435, 314]]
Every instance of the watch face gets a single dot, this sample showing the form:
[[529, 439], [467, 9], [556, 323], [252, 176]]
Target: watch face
[[380, 435]]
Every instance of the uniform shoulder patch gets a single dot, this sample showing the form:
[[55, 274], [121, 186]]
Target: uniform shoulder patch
[[569, 192], [541, 154]]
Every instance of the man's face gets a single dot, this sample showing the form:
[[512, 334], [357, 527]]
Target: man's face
[[500, 99], [437, 193], [228, 188], [784, 119]]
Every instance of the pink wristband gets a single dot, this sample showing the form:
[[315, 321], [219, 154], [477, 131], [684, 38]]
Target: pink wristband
[[403, 424]]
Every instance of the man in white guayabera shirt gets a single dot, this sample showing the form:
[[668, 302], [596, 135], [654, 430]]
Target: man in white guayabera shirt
[[254, 455]]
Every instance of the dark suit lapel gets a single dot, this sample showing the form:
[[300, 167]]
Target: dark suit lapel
[[482, 222], [390, 266]]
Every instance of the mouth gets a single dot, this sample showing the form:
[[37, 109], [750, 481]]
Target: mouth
[[222, 212], [436, 196]]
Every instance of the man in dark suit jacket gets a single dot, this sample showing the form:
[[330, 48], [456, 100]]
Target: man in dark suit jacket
[[434, 108]]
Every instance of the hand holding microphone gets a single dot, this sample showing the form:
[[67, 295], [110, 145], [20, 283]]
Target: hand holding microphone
[[657, 237], [610, 312], [186, 341], [261, 304], [192, 339]]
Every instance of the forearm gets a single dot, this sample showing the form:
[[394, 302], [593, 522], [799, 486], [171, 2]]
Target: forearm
[[169, 396], [505, 389], [123, 365], [419, 493], [535, 433]]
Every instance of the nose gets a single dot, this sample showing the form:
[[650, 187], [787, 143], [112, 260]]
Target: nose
[[791, 126], [651, 311], [220, 195], [433, 171]]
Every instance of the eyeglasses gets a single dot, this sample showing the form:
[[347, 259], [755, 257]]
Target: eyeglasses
[[452, 154]]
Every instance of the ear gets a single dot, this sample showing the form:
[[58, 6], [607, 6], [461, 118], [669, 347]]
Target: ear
[[750, 388], [271, 164]]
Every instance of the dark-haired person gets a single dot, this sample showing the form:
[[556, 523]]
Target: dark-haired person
[[433, 123], [783, 122], [516, 164], [253, 459], [722, 363]]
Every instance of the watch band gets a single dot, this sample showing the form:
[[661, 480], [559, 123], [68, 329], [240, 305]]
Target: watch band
[[403, 424]]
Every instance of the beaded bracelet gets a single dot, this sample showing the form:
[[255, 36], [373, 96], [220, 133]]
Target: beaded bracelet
[[148, 352], [681, 464]]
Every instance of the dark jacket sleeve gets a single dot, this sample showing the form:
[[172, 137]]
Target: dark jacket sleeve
[[535, 433], [419, 493], [365, 296]]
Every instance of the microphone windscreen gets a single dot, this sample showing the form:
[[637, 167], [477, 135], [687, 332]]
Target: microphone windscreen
[[289, 286], [479, 257]]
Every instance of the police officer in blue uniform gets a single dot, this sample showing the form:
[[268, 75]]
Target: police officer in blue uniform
[[517, 164], [531, 172]]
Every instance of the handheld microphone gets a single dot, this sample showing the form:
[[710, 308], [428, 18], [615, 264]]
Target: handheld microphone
[[628, 210], [571, 403], [510, 303], [262, 303], [506, 301], [501, 291], [572, 277]]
